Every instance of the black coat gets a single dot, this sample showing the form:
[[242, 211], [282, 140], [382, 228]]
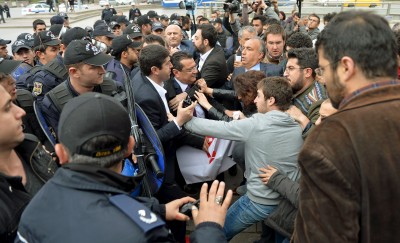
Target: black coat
[[13, 196], [214, 70]]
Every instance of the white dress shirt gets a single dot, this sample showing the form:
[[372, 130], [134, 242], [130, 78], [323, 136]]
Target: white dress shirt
[[203, 58], [161, 92]]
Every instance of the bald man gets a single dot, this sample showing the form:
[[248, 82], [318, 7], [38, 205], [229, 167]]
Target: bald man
[[174, 38]]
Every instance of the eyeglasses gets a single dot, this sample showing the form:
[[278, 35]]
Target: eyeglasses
[[190, 70], [320, 71], [290, 68]]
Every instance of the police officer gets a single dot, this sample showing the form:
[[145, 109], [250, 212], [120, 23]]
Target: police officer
[[107, 13], [52, 72], [94, 133], [22, 52], [134, 12], [125, 52], [84, 63]]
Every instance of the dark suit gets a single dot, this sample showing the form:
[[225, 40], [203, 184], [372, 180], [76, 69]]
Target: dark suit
[[214, 70], [188, 47], [150, 101], [185, 138], [269, 69]]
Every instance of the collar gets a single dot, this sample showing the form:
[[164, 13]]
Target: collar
[[181, 85], [105, 176], [161, 92], [159, 87], [204, 56], [364, 89], [256, 67]]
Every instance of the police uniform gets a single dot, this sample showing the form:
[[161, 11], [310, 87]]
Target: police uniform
[[51, 75], [78, 51]]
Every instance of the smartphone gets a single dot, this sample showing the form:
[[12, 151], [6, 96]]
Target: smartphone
[[238, 58]]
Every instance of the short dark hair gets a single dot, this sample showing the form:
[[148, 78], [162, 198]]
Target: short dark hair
[[208, 32], [275, 29], [262, 18], [364, 37], [272, 21], [306, 58], [203, 19], [298, 40], [246, 83], [148, 39], [150, 56], [329, 16], [279, 88], [185, 20], [38, 22], [316, 16], [177, 57]]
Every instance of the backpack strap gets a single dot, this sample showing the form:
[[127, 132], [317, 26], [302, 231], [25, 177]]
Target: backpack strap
[[60, 95]]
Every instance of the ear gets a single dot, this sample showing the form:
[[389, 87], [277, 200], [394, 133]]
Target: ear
[[154, 70], [131, 144], [308, 72], [271, 101], [73, 72], [39, 54], [206, 42], [62, 153], [175, 72], [346, 68]]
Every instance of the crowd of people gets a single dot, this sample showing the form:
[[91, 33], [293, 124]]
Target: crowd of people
[[312, 114]]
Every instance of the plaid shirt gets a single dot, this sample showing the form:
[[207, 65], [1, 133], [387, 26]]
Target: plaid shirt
[[366, 88]]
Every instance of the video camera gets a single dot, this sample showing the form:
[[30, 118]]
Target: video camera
[[187, 4], [232, 6]]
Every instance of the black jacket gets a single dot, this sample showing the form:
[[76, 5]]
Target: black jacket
[[74, 206], [13, 196], [214, 70], [282, 218]]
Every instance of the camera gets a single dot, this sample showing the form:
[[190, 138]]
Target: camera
[[232, 6], [187, 4]]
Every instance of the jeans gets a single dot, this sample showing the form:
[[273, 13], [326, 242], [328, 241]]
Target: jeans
[[244, 213]]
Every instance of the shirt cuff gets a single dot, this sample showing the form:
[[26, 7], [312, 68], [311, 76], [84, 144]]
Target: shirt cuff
[[176, 123]]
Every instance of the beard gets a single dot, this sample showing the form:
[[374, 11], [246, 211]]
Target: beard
[[298, 85], [336, 91], [200, 48]]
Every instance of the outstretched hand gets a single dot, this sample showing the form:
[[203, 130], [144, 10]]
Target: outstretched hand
[[213, 207]]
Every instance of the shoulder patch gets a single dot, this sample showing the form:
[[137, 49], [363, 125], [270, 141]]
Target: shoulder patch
[[37, 88], [137, 212]]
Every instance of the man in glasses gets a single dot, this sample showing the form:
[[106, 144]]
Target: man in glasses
[[312, 27], [307, 92], [350, 163]]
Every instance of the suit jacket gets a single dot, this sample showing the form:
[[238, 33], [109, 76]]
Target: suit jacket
[[186, 137], [268, 69], [147, 97], [188, 47], [214, 69]]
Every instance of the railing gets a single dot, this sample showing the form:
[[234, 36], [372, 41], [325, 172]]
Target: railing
[[389, 9]]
